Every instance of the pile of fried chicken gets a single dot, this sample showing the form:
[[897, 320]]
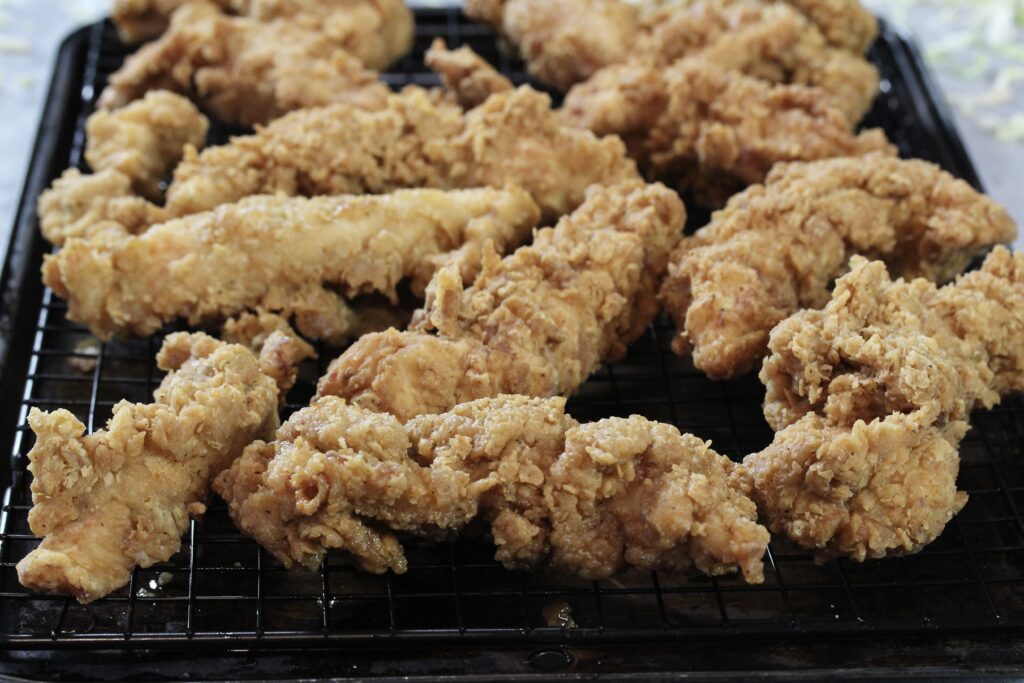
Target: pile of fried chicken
[[542, 242]]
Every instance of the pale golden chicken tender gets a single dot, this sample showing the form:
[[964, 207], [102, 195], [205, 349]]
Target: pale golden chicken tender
[[122, 497], [870, 397], [145, 140], [587, 499], [710, 130], [414, 141], [537, 322], [568, 42], [244, 70], [288, 255], [776, 248], [377, 32]]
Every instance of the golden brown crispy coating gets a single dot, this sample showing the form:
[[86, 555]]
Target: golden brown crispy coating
[[122, 497], [777, 247], [377, 32], [568, 42], [84, 206], [880, 346], [145, 139], [537, 322], [290, 255], [244, 70], [862, 491], [415, 141], [713, 130], [846, 23], [587, 499], [871, 395], [278, 346], [465, 74]]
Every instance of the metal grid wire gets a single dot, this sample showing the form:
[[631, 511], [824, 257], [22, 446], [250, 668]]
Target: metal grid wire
[[223, 586]]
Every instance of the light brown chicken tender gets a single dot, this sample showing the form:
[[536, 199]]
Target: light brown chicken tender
[[465, 74], [122, 497], [537, 322], [145, 139], [711, 130], [568, 42], [587, 499], [289, 255], [415, 141], [871, 396], [777, 247], [377, 32], [244, 70]]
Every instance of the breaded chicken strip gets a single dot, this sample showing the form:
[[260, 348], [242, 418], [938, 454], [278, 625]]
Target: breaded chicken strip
[[415, 141], [566, 43], [712, 130], [122, 497], [244, 70], [377, 32], [587, 499], [871, 396], [537, 322], [144, 140], [289, 255], [776, 248], [846, 23], [84, 206]]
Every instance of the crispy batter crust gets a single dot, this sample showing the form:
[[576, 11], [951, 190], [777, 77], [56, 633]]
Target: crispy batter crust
[[588, 499], [777, 247]]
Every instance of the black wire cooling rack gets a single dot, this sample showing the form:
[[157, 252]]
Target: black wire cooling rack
[[221, 592]]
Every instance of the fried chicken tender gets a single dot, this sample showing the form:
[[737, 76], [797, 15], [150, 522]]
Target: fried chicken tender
[[587, 499], [122, 497], [377, 32], [846, 23], [221, 263], [871, 396], [712, 130], [87, 205], [415, 141], [776, 248], [278, 346], [537, 322], [145, 140], [244, 70], [566, 43]]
